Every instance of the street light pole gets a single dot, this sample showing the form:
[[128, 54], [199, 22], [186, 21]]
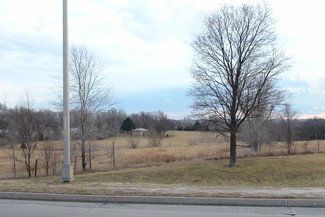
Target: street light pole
[[66, 170]]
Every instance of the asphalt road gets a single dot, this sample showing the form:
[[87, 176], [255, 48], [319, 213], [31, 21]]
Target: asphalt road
[[17, 208]]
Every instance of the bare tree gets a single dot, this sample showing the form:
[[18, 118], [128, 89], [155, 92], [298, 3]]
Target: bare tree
[[154, 138], [161, 122], [113, 121], [133, 141], [11, 153], [89, 94], [144, 119], [257, 126], [25, 128], [47, 155], [288, 124], [108, 123], [56, 160], [3, 122], [235, 68], [7, 134]]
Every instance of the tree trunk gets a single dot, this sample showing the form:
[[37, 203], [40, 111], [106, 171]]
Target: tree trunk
[[47, 168], [29, 171], [233, 146], [83, 141], [28, 166], [15, 171], [255, 136], [75, 163], [255, 143], [83, 155], [83, 161], [233, 131]]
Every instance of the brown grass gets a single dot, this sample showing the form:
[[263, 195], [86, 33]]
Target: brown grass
[[275, 172], [178, 146], [180, 179]]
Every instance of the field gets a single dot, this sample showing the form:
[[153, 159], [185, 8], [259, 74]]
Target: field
[[179, 146], [291, 171], [196, 178]]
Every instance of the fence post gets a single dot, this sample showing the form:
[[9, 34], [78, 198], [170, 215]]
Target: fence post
[[113, 155], [318, 146], [89, 154], [35, 168]]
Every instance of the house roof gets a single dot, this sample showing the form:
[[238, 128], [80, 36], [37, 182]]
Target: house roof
[[139, 130]]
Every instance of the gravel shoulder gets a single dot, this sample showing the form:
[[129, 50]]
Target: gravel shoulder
[[122, 189]]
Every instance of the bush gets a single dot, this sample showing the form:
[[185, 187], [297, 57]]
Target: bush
[[154, 138], [133, 141]]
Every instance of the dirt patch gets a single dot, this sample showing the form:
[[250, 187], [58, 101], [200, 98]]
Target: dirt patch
[[162, 190]]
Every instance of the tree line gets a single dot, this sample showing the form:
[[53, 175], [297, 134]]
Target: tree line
[[36, 129], [282, 130]]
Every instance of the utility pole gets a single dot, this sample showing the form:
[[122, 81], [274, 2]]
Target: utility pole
[[66, 170]]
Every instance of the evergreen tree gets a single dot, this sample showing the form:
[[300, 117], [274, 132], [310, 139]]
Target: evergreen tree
[[127, 125], [197, 126]]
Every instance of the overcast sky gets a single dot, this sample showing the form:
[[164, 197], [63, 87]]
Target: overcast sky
[[145, 45]]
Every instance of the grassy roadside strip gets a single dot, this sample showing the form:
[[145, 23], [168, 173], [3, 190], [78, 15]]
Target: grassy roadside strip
[[300, 171]]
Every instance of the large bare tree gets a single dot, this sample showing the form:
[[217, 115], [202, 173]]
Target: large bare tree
[[235, 68], [90, 94]]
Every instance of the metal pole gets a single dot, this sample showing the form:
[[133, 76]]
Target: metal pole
[[66, 171]]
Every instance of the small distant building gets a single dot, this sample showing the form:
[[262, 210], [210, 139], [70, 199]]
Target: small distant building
[[3, 132], [140, 131]]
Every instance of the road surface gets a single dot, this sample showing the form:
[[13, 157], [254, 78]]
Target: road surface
[[16, 208]]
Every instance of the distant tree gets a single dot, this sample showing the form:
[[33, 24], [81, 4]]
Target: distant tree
[[4, 122], [311, 129], [99, 127], [113, 120], [90, 94], [288, 115], [197, 126], [185, 124], [188, 128], [257, 128], [143, 120], [127, 125], [179, 128], [235, 68], [12, 153], [3, 117], [154, 138], [153, 120], [161, 122], [48, 124], [133, 141], [10, 138]]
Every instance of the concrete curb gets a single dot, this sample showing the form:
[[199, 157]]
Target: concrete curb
[[165, 200]]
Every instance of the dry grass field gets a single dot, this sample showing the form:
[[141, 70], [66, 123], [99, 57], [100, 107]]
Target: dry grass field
[[177, 147], [290, 176]]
